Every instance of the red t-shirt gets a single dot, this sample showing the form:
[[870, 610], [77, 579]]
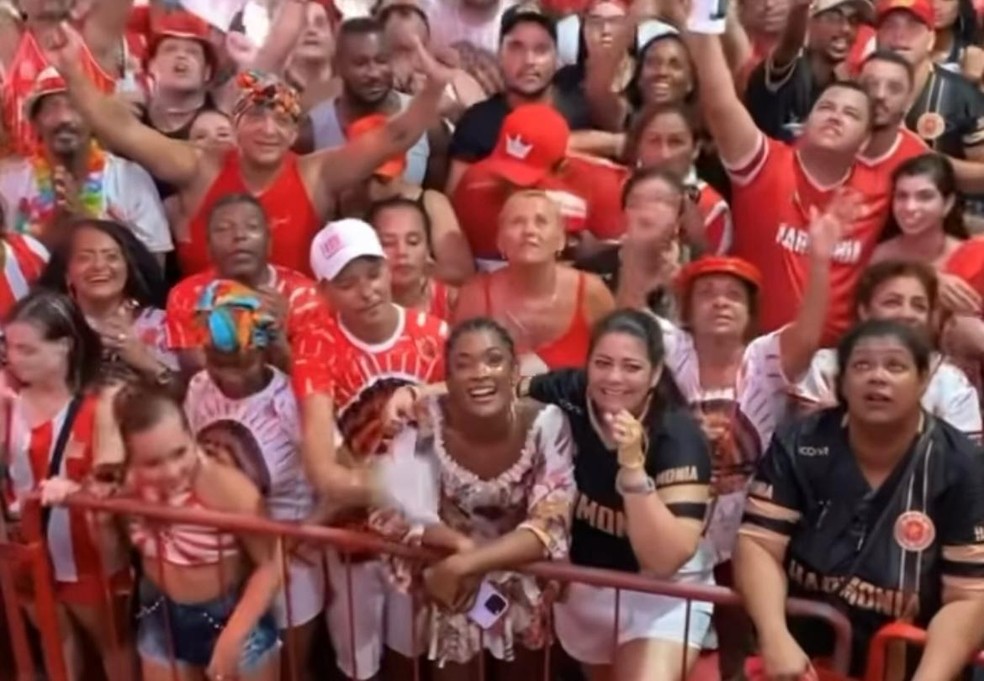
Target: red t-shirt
[[719, 231], [304, 306], [771, 199], [907, 145], [360, 378]]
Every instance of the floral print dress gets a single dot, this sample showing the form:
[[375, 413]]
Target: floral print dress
[[536, 493]]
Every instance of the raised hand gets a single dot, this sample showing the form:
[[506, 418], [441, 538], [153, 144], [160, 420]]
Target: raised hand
[[438, 74], [828, 227], [62, 46]]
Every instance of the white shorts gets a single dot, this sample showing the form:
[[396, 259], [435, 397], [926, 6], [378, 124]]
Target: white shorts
[[307, 592], [584, 620], [381, 616]]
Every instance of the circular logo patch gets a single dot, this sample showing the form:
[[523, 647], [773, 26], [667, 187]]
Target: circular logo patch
[[930, 125], [914, 531]]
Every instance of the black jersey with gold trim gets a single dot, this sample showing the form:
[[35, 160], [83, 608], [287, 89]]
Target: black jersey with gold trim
[[898, 551]]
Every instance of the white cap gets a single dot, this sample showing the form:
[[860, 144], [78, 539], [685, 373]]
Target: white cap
[[341, 242]]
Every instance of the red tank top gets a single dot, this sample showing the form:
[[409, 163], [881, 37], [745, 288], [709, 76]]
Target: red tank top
[[570, 349], [440, 304], [292, 219], [28, 62]]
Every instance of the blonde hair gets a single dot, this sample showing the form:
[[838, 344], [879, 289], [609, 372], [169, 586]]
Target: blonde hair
[[521, 194]]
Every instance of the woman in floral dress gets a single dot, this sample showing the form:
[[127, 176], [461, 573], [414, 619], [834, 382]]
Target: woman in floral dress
[[504, 487]]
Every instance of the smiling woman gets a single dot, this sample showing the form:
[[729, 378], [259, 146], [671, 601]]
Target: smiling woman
[[118, 285]]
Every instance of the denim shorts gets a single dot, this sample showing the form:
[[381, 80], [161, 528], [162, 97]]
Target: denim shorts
[[195, 628]]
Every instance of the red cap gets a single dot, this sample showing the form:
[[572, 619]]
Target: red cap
[[395, 166], [920, 9], [184, 25], [48, 82], [532, 141], [717, 264]]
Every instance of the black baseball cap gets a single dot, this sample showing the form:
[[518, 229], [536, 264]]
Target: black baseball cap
[[526, 12]]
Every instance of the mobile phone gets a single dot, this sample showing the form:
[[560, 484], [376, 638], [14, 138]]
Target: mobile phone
[[490, 606]]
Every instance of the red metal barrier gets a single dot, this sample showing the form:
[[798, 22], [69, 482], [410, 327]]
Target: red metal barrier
[[347, 541], [897, 632], [29, 561]]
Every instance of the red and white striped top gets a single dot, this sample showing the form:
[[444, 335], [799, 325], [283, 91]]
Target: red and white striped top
[[24, 258], [70, 545]]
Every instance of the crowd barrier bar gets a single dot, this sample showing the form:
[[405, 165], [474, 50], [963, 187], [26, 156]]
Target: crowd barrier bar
[[897, 632], [30, 559], [349, 541]]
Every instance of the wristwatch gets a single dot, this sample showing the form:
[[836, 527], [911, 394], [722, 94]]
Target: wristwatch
[[642, 487]]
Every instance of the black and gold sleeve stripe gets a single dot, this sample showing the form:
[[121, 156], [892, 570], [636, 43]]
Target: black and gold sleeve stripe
[[686, 500], [962, 566], [768, 521]]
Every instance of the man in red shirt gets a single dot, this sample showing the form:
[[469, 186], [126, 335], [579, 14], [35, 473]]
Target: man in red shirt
[[777, 187], [297, 192], [887, 78], [345, 372], [238, 245], [531, 153]]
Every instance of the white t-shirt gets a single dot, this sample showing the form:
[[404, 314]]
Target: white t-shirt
[[753, 408], [264, 430], [129, 196], [949, 394]]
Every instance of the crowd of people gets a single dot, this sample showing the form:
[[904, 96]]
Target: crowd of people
[[689, 290]]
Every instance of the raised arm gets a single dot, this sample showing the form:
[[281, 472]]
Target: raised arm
[[800, 340], [172, 161], [341, 167], [735, 134]]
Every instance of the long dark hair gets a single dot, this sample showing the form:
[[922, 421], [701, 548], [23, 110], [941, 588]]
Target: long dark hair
[[57, 317], [940, 171], [144, 278], [643, 327]]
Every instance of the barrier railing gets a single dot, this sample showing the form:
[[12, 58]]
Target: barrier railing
[[878, 655], [345, 542], [29, 560]]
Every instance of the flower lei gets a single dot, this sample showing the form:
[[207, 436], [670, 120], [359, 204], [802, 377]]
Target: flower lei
[[36, 213]]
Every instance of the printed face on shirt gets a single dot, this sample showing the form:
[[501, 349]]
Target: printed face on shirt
[[902, 32], [482, 373], [265, 135], [839, 122], [902, 299], [620, 375], [164, 455], [238, 240], [97, 270], [889, 87], [317, 43], [403, 235], [880, 382], [363, 64], [528, 59], [361, 291], [602, 24], [179, 66], [60, 126], [918, 205], [232, 444], [211, 129], [666, 74], [832, 32], [667, 142], [31, 357], [530, 229], [719, 306]]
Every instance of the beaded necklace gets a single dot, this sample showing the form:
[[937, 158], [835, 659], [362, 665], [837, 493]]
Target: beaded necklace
[[37, 213]]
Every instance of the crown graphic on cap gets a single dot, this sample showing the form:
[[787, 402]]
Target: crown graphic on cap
[[517, 148]]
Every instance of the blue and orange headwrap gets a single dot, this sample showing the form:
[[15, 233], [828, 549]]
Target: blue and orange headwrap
[[233, 319], [265, 90]]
